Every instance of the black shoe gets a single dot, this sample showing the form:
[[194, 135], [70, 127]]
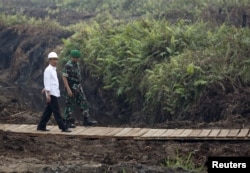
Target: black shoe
[[89, 122], [42, 129], [66, 130]]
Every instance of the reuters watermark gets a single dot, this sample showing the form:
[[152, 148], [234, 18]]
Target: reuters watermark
[[218, 164]]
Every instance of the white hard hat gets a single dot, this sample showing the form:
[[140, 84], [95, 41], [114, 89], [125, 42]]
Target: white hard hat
[[52, 55]]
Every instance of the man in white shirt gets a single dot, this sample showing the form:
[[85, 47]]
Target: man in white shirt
[[52, 92]]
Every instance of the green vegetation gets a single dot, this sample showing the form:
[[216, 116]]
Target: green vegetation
[[183, 162], [153, 64], [160, 67], [9, 20]]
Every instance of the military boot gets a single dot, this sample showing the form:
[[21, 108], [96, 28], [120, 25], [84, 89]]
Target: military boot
[[66, 130], [64, 127], [71, 123], [89, 122], [68, 123]]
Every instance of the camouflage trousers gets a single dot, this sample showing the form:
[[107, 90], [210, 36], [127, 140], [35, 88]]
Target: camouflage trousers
[[78, 99]]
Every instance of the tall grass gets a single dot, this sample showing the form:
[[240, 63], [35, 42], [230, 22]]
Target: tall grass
[[162, 68], [152, 64], [17, 19]]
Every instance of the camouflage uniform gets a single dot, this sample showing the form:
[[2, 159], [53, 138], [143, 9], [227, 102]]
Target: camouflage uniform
[[72, 72]]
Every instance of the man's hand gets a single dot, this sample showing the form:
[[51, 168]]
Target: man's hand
[[43, 90], [47, 94], [70, 94], [66, 84], [48, 98]]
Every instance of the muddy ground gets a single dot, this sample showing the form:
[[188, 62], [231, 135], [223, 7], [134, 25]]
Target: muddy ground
[[217, 108]]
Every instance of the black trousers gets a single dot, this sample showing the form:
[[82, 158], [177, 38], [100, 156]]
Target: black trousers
[[52, 107]]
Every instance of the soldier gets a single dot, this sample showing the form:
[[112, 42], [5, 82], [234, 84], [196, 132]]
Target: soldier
[[52, 92], [75, 95]]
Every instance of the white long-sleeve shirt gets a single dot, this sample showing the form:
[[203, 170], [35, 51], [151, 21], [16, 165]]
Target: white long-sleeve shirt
[[50, 81]]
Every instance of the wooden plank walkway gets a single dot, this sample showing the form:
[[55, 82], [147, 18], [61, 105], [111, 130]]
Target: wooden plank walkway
[[133, 133]]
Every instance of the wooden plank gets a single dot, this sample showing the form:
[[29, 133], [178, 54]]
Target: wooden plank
[[136, 133], [19, 127], [113, 132], [176, 133], [96, 131], [155, 133], [167, 133], [3, 126], [53, 128], [9, 127], [223, 133], [150, 133], [195, 133], [103, 133], [84, 131], [31, 129], [159, 132], [108, 131], [132, 132], [141, 132], [214, 133], [186, 132], [204, 133], [243, 133], [124, 131], [233, 133], [27, 129]]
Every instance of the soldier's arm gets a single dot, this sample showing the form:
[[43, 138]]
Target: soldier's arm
[[66, 84]]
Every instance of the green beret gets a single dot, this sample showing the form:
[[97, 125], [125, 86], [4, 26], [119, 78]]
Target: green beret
[[75, 53]]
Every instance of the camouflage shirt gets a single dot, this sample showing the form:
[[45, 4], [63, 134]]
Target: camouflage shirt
[[72, 72]]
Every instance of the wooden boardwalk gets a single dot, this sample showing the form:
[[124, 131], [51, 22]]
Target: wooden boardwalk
[[134, 133]]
